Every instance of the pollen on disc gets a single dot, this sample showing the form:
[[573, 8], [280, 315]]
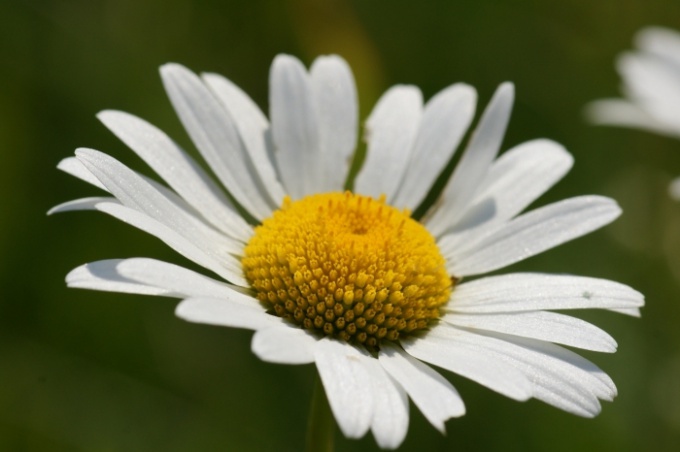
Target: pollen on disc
[[348, 266]]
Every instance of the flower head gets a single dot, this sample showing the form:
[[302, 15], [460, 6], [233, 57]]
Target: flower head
[[348, 279]]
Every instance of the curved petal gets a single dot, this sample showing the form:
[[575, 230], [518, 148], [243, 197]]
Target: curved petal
[[74, 167], [434, 396], [653, 84], [444, 347], [532, 233], [221, 312], [134, 192], [559, 377], [546, 326], [284, 345], [103, 276], [391, 130], [661, 42], [178, 279], [253, 128], [348, 385], [471, 170], [515, 180], [178, 170], [294, 127], [214, 133], [445, 120], [517, 292], [80, 204], [623, 113], [335, 101], [223, 264], [390, 416]]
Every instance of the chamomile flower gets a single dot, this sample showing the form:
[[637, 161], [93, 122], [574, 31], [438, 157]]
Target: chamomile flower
[[348, 279]]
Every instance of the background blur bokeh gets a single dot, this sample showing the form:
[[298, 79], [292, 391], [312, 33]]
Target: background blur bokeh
[[93, 371]]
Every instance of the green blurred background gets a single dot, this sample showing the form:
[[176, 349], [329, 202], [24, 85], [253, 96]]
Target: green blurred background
[[93, 371]]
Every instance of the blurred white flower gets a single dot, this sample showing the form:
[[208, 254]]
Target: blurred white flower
[[651, 86], [349, 280]]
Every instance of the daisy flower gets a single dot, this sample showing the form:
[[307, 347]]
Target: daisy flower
[[348, 279], [651, 86]]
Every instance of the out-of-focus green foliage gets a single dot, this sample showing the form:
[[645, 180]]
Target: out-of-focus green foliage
[[93, 371]]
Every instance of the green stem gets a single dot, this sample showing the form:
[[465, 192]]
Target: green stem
[[321, 423]]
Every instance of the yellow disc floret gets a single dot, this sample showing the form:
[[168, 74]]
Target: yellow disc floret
[[348, 266]]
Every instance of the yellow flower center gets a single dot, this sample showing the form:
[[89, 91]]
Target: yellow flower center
[[348, 266]]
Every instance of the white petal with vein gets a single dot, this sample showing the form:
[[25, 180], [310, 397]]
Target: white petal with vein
[[348, 386], [434, 396]]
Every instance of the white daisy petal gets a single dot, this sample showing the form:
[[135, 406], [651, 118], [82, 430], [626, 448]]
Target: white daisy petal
[[515, 180], [622, 113], [533, 233], [391, 131], [335, 101], [179, 279], [294, 127], [215, 135], [480, 153], [633, 312], [284, 345], [253, 129], [653, 84], [445, 120], [462, 357], [348, 385], [74, 167], [546, 326], [221, 312], [224, 265], [390, 416], [516, 292], [133, 191], [560, 378], [80, 204], [434, 396], [178, 169], [660, 41], [103, 276]]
